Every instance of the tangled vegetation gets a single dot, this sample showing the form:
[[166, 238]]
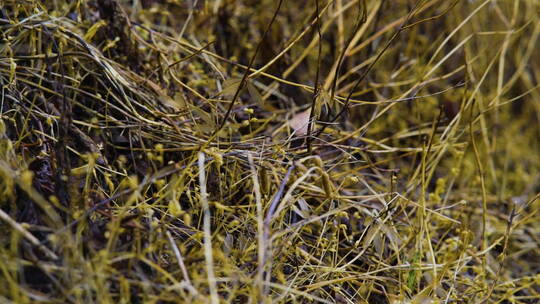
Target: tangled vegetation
[[239, 151]]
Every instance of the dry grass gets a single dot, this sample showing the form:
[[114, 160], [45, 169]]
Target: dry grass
[[269, 151]]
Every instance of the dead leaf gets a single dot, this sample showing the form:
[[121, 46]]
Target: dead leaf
[[299, 122], [254, 93], [230, 86], [178, 102]]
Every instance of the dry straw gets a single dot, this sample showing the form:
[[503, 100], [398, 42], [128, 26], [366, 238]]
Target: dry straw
[[342, 151]]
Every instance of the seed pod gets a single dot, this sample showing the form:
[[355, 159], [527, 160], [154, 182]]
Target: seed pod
[[265, 179], [327, 184]]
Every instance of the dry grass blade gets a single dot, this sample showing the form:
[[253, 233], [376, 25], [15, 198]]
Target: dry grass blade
[[322, 151]]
